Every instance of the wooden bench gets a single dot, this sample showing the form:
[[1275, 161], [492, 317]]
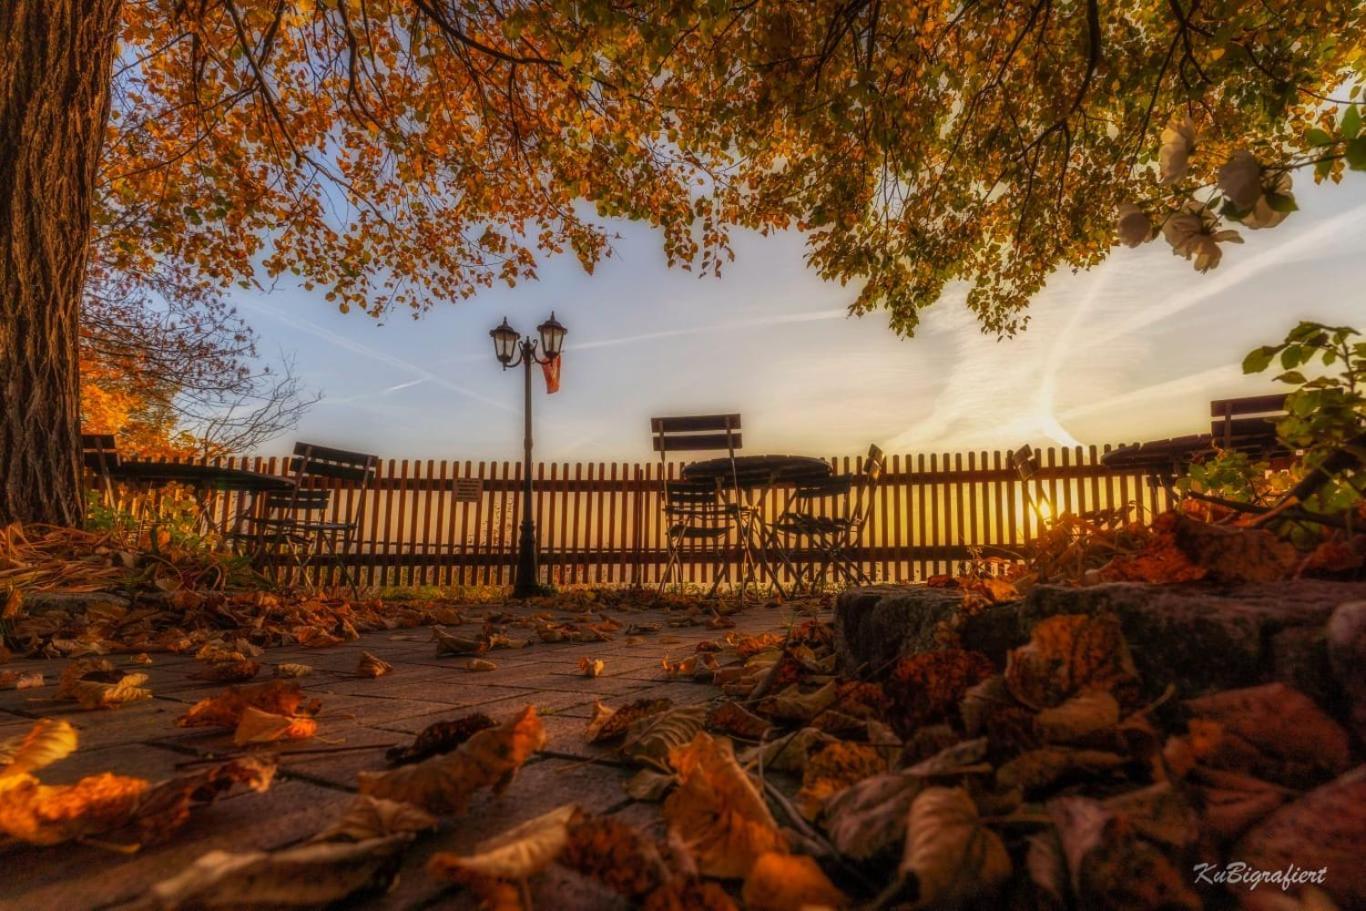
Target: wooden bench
[[1236, 425], [1247, 424]]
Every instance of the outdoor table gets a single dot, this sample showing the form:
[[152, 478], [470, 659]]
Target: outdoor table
[[204, 479], [752, 478], [758, 471]]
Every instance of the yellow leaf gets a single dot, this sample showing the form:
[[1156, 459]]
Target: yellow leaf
[[481, 664], [518, 852], [592, 667], [96, 694], [443, 784], [717, 812], [779, 882], [48, 815], [293, 670], [257, 726], [46, 742]]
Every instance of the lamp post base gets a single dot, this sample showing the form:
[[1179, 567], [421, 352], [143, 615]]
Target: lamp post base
[[526, 584]]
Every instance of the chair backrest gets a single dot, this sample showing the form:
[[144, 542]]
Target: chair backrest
[[696, 433], [313, 461], [99, 452], [1246, 422], [873, 464]]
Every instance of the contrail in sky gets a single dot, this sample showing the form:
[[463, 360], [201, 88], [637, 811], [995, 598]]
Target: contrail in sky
[[1247, 268], [814, 316], [398, 363]]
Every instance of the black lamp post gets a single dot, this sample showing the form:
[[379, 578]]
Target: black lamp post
[[511, 350]]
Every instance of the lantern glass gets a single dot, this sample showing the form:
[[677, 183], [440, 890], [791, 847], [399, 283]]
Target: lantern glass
[[504, 342], [552, 336]]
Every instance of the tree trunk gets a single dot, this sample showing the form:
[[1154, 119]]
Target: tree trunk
[[55, 58]]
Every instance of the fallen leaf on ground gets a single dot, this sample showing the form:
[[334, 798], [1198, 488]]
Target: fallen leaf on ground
[[650, 739], [371, 666], [449, 644], [1273, 732], [515, 854], [734, 719], [832, 769], [952, 856], [927, 688], [609, 724], [1324, 828], [792, 705], [97, 694], [716, 810], [311, 875], [257, 726], [279, 697], [615, 855], [293, 670], [117, 807], [779, 882], [46, 742], [23, 681], [439, 737], [592, 667], [443, 784], [141, 658], [371, 817], [869, 817], [480, 664], [1067, 654], [1033, 770], [1231, 801], [1110, 867], [237, 670], [1082, 714]]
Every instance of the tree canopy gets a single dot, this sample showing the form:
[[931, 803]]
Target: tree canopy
[[403, 152]]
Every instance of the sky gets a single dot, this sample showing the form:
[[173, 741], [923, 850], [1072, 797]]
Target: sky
[[1134, 349]]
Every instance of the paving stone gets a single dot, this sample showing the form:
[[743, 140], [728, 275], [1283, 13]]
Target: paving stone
[[547, 704], [72, 877], [135, 759]]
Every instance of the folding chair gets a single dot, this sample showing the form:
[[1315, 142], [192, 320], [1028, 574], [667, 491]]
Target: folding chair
[[296, 522], [830, 540], [697, 511]]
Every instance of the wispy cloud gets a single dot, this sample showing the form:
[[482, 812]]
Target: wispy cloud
[[421, 374]]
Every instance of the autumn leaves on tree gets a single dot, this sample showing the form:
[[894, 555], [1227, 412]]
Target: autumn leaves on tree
[[407, 152]]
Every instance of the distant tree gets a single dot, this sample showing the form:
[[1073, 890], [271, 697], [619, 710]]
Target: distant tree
[[402, 152]]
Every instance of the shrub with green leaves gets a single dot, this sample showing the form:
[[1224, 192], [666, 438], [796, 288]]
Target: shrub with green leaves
[[1326, 412]]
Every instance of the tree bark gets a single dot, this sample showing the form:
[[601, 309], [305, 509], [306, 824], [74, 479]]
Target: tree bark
[[55, 59]]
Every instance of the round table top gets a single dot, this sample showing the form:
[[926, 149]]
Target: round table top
[[758, 470], [216, 476]]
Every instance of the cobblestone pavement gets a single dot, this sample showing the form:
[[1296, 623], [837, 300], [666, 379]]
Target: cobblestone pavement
[[310, 789]]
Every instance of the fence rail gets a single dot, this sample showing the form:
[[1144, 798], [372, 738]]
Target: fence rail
[[600, 522]]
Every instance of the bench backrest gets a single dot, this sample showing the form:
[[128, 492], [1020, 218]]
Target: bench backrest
[[98, 452], [1247, 422]]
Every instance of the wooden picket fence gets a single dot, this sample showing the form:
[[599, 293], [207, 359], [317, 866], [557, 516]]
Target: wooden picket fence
[[599, 523]]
